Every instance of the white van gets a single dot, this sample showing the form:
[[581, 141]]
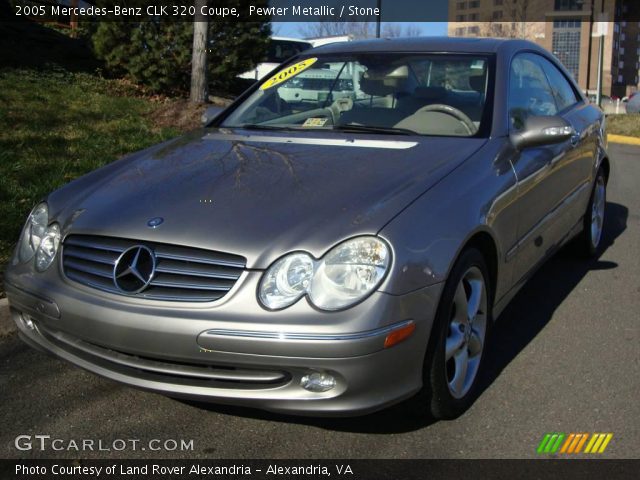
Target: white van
[[280, 49]]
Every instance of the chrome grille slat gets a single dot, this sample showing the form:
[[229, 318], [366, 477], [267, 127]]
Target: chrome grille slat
[[187, 258], [185, 281], [196, 270], [181, 295], [94, 256], [98, 269], [183, 274], [95, 242], [91, 280]]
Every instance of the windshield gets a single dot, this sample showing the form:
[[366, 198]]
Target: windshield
[[384, 93]]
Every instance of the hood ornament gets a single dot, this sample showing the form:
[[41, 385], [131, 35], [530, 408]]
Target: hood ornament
[[155, 222]]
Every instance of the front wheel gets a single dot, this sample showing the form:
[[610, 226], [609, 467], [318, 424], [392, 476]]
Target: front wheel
[[461, 328], [591, 237]]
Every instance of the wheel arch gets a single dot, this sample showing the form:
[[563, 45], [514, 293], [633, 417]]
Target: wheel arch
[[605, 164], [485, 243]]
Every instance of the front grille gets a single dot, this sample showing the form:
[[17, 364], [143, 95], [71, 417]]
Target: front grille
[[182, 274]]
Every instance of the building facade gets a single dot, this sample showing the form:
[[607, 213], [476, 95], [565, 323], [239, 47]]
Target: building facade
[[566, 28]]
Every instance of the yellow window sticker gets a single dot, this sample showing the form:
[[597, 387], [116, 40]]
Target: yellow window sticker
[[288, 73], [315, 122]]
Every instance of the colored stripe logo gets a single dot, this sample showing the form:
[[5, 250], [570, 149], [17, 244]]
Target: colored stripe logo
[[572, 443]]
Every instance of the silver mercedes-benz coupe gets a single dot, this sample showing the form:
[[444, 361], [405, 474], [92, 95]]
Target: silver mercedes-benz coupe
[[337, 240]]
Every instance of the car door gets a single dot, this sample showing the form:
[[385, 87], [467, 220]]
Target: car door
[[539, 192], [572, 173]]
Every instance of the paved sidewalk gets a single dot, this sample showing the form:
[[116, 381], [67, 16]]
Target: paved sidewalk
[[7, 327]]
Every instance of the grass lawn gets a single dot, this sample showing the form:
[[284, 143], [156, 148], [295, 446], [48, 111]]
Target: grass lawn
[[628, 125], [56, 126]]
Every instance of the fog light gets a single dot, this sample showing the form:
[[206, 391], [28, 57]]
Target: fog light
[[318, 382]]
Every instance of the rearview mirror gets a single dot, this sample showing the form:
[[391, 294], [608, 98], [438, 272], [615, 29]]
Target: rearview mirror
[[210, 113], [539, 131]]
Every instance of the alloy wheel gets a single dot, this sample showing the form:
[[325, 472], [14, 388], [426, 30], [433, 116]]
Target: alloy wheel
[[466, 334], [597, 211]]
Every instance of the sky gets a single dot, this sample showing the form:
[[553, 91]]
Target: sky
[[294, 29]]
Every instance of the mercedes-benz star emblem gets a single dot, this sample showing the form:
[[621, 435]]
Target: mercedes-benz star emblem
[[155, 222], [134, 269]]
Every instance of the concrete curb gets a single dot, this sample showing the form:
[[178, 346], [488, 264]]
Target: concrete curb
[[7, 326], [622, 139]]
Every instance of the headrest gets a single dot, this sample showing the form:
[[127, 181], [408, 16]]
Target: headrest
[[478, 83], [430, 93], [377, 88]]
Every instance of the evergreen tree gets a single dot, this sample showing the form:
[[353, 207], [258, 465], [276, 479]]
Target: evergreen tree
[[157, 52]]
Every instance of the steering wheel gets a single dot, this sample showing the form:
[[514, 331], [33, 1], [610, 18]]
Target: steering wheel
[[454, 112]]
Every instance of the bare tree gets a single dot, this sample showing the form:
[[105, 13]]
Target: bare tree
[[332, 28], [199, 56], [396, 30], [391, 30], [412, 31], [512, 22], [525, 30]]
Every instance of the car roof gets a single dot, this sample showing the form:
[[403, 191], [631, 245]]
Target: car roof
[[428, 44]]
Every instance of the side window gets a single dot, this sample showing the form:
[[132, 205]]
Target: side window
[[529, 91], [560, 86]]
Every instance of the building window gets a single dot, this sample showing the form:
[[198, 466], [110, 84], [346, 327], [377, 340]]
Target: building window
[[568, 5], [462, 5], [460, 18], [460, 31], [497, 15], [566, 44], [474, 3], [474, 30], [573, 23], [497, 3], [473, 17]]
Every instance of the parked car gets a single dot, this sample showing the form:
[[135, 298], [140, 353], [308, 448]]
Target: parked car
[[328, 257], [279, 50], [609, 105], [633, 104]]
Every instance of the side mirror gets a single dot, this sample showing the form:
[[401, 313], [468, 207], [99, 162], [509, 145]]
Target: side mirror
[[539, 131], [210, 113]]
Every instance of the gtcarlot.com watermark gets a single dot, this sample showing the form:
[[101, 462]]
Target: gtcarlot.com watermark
[[44, 443]]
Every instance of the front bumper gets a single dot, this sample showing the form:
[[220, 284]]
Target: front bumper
[[232, 353]]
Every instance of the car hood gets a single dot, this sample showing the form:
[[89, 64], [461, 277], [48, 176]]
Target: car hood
[[259, 194]]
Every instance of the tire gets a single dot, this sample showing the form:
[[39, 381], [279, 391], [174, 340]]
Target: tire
[[449, 388], [590, 240]]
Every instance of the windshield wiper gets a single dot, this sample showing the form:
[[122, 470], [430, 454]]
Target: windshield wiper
[[350, 127], [260, 126]]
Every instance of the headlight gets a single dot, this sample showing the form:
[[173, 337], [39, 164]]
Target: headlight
[[348, 273], [286, 281], [48, 248], [345, 275], [33, 232]]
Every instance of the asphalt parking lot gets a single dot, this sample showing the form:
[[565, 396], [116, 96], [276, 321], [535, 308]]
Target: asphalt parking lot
[[565, 358]]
